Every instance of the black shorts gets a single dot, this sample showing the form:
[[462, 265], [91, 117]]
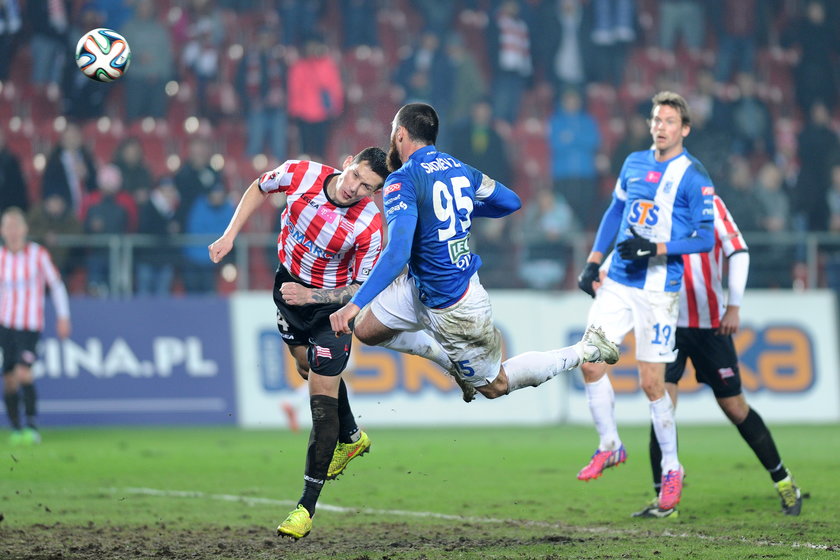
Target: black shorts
[[714, 358], [309, 325], [18, 348]]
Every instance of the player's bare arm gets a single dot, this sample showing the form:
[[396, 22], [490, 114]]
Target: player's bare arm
[[249, 202], [298, 294]]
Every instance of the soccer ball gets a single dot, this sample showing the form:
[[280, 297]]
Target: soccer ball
[[103, 55]]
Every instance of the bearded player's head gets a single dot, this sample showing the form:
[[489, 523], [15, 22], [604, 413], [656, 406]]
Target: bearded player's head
[[415, 125]]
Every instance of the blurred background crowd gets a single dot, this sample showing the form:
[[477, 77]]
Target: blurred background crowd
[[547, 96]]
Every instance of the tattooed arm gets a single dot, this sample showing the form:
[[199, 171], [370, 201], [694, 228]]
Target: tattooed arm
[[297, 294]]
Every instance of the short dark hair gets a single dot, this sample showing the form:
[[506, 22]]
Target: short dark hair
[[420, 121], [674, 100], [375, 158]]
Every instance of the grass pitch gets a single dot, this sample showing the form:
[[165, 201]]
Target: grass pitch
[[426, 493]]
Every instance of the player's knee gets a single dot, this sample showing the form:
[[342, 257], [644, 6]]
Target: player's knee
[[495, 389], [654, 389], [592, 372]]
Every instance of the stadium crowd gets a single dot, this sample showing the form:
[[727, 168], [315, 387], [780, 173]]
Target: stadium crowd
[[547, 96]]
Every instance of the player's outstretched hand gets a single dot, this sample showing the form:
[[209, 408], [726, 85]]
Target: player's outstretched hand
[[219, 248], [296, 294], [636, 247], [340, 320], [587, 277]]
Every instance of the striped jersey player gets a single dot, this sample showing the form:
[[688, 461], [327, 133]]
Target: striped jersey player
[[26, 271], [701, 297], [662, 209], [330, 239]]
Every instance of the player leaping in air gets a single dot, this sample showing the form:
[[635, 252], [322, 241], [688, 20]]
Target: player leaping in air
[[330, 239], [430, 200]]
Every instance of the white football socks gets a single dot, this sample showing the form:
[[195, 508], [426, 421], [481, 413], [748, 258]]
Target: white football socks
[[662, 416], [419, 343], [601, 398], [535, 368]]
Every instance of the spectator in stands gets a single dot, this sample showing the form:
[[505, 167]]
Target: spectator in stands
[[773, 257], [833, 199], [104, 216], [260, 81], [468, 84], [10, 24], [774, 213], [574, 140], [738, 23], [438, 15], [210, 214], [818, 148], [510, 55], [571, 48], [359, 19], [706, 103], [136, 176], [155, 264], [635, 139], [710, 144], [426, 75], [195, 177], [299, 19], [151, 63], [499, 257], [544, 254], [752, 123], [684, 18], [48, 23], [818, 47], [200, 54], [70, 171], [115, 13], [478, 144], [82, 98], [14, 190], [613, 32], [739, 192], [316, 96], [47, 223], [832, 265]]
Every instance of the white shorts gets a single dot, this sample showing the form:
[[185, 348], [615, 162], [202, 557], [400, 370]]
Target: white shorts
[[651, 314], [465, 330]]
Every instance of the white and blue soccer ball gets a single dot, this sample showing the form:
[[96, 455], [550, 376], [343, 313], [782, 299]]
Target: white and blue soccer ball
[[103, 55]]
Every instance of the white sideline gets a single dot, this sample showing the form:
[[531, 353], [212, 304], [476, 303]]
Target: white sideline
[[435, 515]]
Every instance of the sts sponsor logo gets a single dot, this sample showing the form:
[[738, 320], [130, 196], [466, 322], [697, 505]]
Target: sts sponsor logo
[[643, 213]]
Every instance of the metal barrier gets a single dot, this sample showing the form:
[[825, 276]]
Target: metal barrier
[[790, 260]]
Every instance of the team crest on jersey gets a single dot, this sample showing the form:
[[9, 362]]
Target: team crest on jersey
[[459, 252], [643, 213], [392, 188], [653, 176]]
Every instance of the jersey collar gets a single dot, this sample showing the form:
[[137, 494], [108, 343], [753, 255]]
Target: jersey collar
[[422, 152]]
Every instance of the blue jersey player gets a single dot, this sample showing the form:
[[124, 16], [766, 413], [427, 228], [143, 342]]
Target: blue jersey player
[[662, 208], [438, 309]]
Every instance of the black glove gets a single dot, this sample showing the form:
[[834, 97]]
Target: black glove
[[588, 275], [637, 247]]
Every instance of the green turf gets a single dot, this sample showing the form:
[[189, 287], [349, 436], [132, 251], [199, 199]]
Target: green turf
[[513, 491]]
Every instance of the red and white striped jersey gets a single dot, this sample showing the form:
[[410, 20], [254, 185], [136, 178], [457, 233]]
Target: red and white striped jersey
[[701, 295], [23, 277], [325, 245]]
